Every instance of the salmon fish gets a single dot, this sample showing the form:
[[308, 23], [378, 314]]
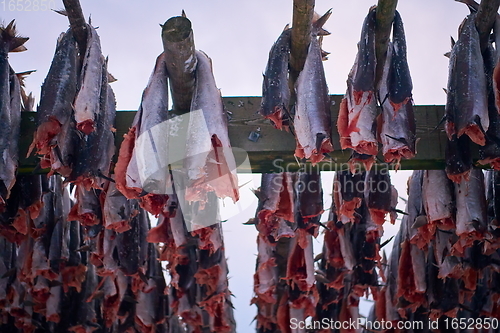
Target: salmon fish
[[467, 104], [55, 109], [379, 194], [95, 152], [312, 121], [86, 103], [458, 158], [490, 152], [438, 200], [398, 121], [275, 88], [210, 163], [356, 122], [10, 116], [496, 72], [471, 216], [136, 170], [348, 193]]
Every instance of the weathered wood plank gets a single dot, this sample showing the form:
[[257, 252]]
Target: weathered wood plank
[[178, 45], [384, 16], [303, 11], [273, 151], [77, 23]]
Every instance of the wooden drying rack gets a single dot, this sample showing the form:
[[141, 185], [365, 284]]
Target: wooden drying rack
[[273, 151]]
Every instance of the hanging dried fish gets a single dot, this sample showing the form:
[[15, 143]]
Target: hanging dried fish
[[348, 193], [94, 154], [209, 162], [490, 152], [358, 111], [52, 139], [135, 170], [398, 121], [458, 158], [275, 88], [86, 103], [467, 104], [312, 121], [10, 110], [438, 200]]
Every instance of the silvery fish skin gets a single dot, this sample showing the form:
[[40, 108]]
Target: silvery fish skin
[[57, 95], [95, 152], [437, 197], [127, 174], [312, 121], [356, 122], [116, 210], [87, 209], [131, 244], [458, 158], [471, 206], [275, 88], [210, 163], [9, 117], [348, 193], [266, 276], [399, 79], [467, 104], [490, 152], [132, 159], [496, 72], [398, 121], [308, 201], [276, 204], [378, 194], [15, 128], [86, 103]]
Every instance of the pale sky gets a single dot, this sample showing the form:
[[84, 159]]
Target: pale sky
[[237, 35]]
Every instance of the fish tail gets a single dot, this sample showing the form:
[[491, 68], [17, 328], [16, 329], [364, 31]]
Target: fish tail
[[10, 41], [319, 22]]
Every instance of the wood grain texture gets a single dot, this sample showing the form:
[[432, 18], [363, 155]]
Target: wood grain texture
[[178, 45], [384, 16]]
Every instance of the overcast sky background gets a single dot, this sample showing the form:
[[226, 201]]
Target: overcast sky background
[[237, 35]]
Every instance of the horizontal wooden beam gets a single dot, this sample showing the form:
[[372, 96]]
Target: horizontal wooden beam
[[273, 150]]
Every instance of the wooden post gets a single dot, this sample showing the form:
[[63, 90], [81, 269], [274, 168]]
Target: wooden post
[[77, 23], [486, 15], [303, 11], [384, 16], [178, 44]]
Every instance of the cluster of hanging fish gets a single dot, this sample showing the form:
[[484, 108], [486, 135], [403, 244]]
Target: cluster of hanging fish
[[177, 166], [473, 95], [310, 117], [90, 264], [202, 147], [11, 104], [59, 275], [76, 114], [444, 262], [359, 123], [198, 291], [286, 283]]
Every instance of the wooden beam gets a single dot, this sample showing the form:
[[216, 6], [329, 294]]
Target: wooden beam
[[77, 23], [273, 151], [178, 45], [384, 16], [303, 11], [486, 15]]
